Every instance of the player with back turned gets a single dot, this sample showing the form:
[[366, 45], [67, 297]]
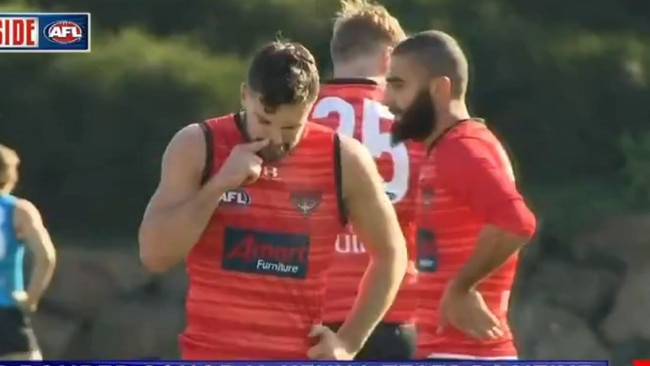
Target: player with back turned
[[362, 40], [21, 227], [255, 200], [471, 219]]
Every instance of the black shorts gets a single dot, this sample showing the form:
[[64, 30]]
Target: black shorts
[[389, 342], [16, 334]]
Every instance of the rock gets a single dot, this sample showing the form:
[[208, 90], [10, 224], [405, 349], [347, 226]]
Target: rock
[[624, 352], [135, 329], [624, 239], [548, 332], [54, 333], [629, 318], [173, 285], [125, 268], [86, 279], [585, 291], [80, 286]]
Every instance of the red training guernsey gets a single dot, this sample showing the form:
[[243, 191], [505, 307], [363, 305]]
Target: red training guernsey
[[353, 107], [466, 182], [257, 274]]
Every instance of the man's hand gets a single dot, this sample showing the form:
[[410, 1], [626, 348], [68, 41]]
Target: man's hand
[[466, 310], [24, 303], [243, 165], [329, 346]]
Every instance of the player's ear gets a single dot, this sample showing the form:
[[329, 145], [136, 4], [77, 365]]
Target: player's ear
[[385, 60], [440, 86], [243, 90]]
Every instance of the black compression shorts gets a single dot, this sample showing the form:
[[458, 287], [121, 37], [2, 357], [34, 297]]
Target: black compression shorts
[[16, 334]]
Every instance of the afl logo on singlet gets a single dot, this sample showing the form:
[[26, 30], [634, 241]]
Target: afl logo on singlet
[[63, 32], [236, 197]]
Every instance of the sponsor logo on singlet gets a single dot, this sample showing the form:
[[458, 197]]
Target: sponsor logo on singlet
[[266, 253], [427, 196], [306, 201], [349, 244], [427, 251]]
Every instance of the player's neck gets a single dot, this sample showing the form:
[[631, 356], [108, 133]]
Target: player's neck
[[357, 72], [457, 111]]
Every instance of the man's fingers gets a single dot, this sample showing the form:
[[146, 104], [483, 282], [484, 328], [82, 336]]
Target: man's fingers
[[318, 330], [255, 146], [491, 323], [485, 327], [492, 334], [314, 352], [498, 332]]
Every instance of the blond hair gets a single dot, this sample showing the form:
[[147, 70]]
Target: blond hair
[[362, 27], [9, 161]]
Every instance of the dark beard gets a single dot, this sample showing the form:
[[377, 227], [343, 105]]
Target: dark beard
[[273, 153], [417, 121], [270, 153]]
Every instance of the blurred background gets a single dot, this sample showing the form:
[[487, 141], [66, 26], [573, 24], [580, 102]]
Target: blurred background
[[564, 83]]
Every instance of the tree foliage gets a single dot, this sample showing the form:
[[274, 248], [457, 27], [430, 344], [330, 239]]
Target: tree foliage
[[561, 82]]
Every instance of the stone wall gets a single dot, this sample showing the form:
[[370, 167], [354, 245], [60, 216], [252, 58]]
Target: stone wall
[[103, 305], [587, 299]]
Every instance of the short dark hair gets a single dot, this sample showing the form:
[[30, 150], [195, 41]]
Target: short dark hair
[[440, 55], [284, 73]]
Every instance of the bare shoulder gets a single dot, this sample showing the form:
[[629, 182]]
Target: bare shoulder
[[187, 142], [184, 155], [26, 212], [354, 155], [360, 174]]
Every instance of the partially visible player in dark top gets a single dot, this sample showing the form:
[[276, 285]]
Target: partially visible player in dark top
[[255, 200], [471, 219], [21, 227], [351, 102]]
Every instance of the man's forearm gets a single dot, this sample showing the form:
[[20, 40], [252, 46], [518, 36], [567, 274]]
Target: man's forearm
[[377, 291], [169, 234], [41, 276], [493, 248]]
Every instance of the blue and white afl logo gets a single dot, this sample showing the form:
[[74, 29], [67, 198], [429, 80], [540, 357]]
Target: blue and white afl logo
[[63, 32], [236, 197]]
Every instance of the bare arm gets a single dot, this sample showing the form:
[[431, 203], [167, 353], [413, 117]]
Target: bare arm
[[493, 248], [374, 220], [30, 229], [476, 176], [180, 208]]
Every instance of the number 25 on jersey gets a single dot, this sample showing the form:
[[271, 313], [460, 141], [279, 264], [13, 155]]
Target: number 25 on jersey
[[376, 141]]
